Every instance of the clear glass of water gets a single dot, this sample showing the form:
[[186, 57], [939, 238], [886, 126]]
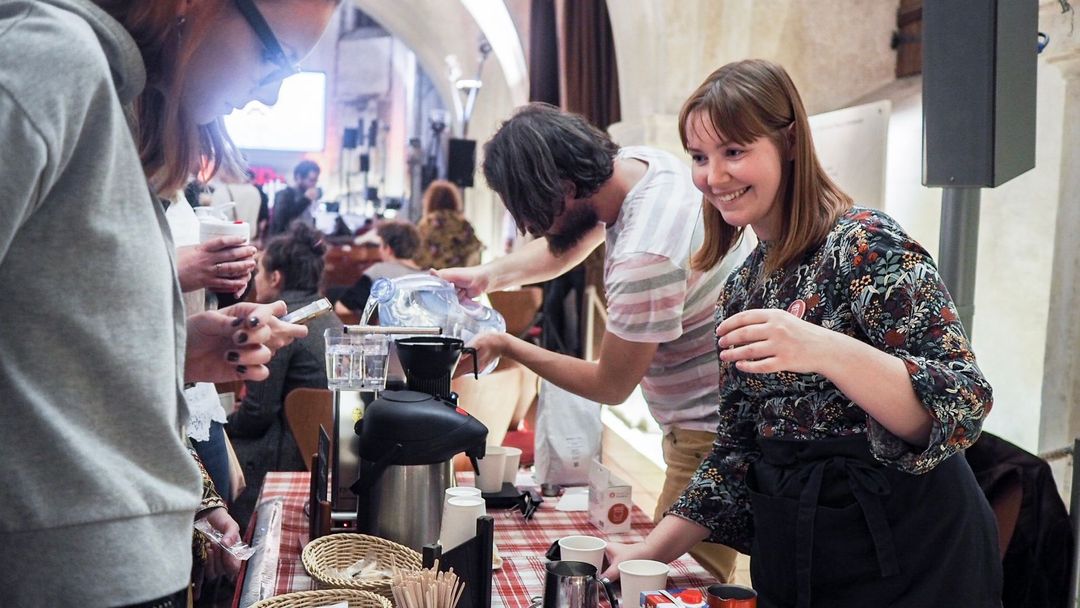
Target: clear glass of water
[[376, 349], [344, 360]]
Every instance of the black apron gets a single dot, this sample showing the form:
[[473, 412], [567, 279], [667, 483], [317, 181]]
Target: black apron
[[836, 528]]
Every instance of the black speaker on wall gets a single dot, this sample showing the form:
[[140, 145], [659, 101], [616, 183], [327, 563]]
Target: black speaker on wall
[[350, 138], [461, 161], [979, 70]]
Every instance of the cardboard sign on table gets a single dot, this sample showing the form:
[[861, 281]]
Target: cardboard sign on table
[[609, 500]]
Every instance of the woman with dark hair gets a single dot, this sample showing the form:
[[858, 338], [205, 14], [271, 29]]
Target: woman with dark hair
[[289, 269], [107, 106], [447, 239]]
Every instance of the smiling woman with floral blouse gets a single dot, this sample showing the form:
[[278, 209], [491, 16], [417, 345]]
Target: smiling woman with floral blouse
[[847, 384]]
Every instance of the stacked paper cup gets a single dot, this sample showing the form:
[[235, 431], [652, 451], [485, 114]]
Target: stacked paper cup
[[460, 509]]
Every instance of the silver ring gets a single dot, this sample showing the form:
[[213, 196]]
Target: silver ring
[[217, 268]]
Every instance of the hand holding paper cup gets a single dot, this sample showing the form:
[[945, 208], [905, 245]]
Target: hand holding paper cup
[[492, 468], [215, 223]]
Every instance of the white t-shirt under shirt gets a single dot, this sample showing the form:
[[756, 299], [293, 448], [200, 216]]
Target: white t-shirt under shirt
[[654, 296], [203, 403]]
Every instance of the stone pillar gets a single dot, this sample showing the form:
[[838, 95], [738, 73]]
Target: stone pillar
[[1060, 421], [1061, 384]]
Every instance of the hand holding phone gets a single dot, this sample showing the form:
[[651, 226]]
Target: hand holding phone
[[301, 316]]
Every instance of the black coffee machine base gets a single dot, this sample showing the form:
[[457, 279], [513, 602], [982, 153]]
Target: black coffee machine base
[[506, 498], [471, 561]]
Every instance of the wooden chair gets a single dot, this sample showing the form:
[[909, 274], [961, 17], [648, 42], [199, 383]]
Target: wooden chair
[[345, 263], [519, 307], [521, 310], [305, 410], [501, 399]]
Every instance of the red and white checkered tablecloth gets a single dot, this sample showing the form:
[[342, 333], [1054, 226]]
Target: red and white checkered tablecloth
[[521, 543]]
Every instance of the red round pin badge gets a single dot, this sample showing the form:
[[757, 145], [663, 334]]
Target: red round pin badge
[[797, 308]]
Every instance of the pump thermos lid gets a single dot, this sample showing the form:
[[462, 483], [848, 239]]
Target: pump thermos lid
[[429, 430]]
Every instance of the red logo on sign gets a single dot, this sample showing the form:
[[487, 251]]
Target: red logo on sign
[[617, 514], [797, 308]]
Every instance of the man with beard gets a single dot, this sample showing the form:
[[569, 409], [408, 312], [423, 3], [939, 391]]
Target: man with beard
[[566, 182]]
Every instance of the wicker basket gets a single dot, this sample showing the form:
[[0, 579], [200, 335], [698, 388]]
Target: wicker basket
[[342, 550], [312, 599]]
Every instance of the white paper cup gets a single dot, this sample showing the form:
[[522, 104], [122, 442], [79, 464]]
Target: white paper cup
[[637, 575], [491, 466], [513, 460], [462, 491], [213, 230], [588, 549], [459, 520], [471, 492]]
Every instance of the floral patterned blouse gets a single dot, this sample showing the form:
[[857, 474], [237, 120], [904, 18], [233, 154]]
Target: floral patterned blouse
[[868, 280], [447, 240]]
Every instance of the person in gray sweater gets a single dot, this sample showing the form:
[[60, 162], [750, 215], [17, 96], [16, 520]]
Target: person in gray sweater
[[98, 492]]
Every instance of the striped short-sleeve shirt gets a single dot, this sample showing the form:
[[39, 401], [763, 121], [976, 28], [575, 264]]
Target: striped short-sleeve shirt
[[654, 296]]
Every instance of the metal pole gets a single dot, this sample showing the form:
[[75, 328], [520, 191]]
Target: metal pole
[[959, 248], [1074, 517]]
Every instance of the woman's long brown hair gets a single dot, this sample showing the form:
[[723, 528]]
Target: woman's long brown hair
[[441, 195], [171, 146], [743, 101]]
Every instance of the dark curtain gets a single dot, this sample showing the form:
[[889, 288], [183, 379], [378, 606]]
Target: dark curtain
[[592, 90], [592, 80], [543, 53]]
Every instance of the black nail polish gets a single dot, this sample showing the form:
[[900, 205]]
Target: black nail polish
[[243, 337], [241, 369], [253, 321], [233, 356], [236, 322]]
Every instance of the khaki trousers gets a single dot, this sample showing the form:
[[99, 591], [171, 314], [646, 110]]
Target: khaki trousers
[[683, 452]]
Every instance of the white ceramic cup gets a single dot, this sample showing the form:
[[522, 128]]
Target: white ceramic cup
[[637, 575], [513, 460], [588, 549], [459, 520], [491, 466]]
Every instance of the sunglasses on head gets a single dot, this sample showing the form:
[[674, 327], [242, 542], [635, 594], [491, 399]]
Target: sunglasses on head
[[272, 50]]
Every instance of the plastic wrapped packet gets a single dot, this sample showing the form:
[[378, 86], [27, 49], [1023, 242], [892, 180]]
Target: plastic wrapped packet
[[367, 569], [261, 579], [240, 550]]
